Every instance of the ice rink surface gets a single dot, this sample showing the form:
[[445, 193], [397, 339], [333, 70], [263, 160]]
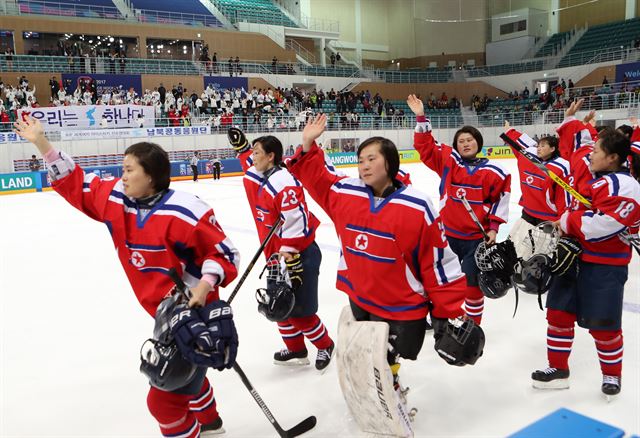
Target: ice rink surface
[[71, 331]]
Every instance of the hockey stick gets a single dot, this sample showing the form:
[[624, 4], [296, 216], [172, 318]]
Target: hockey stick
[[632, 240], [253, 261], [300, 428], [472, 213]]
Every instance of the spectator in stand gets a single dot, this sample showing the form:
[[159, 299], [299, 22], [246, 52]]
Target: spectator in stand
[[34, 164], [333, 60], [605, 82], [8, 56], [238, 68], [54, 84]]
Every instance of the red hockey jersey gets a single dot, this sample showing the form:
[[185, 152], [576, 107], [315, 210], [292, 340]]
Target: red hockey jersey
[[394, 257], [541, 197], [179, 232], [487, 186], [278, 194], [576, 141], [615, 208]]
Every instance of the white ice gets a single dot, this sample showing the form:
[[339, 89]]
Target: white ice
[[71, 330]]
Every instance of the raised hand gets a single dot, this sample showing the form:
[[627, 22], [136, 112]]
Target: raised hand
[[590, 118], [573, 108], [313, 129], [507, 125], [634, 121], [31, 130], [416, 105]]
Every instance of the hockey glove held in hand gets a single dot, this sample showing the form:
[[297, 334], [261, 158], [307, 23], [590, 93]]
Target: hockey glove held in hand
[[295, 271], [566, 255], [218, 318], [191, 335], [238, 140]]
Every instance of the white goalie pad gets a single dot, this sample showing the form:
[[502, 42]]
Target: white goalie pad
[[366, 379]]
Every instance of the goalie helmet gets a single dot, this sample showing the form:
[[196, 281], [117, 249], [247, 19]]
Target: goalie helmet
[[277, 300], [164, 365], [533, 276], [500, 257], [493, 285], [461, 343]]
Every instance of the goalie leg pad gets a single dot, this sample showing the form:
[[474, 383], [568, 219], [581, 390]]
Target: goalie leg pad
[[366, 379]]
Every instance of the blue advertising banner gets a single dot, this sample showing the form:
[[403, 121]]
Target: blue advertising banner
[[20, 182], [631, 71], [104, 82], [343, 159], [36, 181], [221, 82]]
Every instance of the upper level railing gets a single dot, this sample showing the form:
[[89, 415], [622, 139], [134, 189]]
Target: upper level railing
[[39, 7]]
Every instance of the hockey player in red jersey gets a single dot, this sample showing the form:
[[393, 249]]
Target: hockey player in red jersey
[[542, 199], [395, 262], [273, 192], [590, 291], [153, 229], [485, 185]]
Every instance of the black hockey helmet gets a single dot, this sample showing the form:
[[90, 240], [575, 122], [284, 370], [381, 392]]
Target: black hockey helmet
[[462, 343], [164, 365], [276, 302], [533, 276], [500, 257], [493, 285]]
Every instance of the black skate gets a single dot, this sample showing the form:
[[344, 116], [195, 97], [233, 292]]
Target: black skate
[[611, 386], [324, 357], [550, 378], [211, 429], [291, 358]]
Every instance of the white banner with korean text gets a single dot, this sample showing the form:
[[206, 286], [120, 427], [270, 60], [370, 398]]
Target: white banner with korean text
[[135, 133], [76, 117]]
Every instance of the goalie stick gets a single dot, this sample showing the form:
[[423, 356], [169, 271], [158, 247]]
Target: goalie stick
[[633, 240], [306, 424]]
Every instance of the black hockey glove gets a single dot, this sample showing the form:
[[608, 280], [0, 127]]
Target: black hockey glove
[[192, 337], [295, 271], [218, 317], [238, 140], [439, 326], [565, 256]]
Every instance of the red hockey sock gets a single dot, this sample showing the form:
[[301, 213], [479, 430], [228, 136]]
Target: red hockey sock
[[474, 304], [314, 330], [609, 344], [560, 334], [203, 405], [291, 336], [172, 412]]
